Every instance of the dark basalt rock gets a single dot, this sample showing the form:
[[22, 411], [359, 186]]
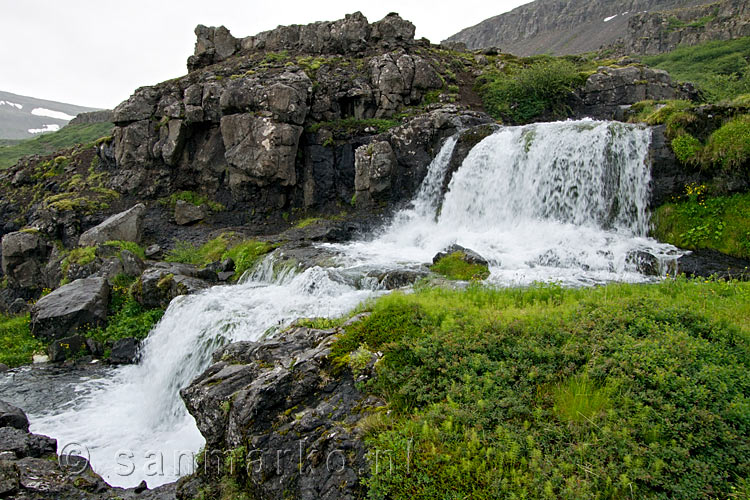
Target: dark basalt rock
[[278, 395], [705, 263], [124, 351], [65, 348]]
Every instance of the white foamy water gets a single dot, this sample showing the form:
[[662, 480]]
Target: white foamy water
[[560, 202], [564, 201], [134, 423]]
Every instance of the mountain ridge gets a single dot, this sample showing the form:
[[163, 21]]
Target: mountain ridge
[[23, 117], [560, 27]]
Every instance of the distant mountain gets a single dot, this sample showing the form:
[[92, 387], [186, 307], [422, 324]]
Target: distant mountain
[[23, 117], [561, 26]]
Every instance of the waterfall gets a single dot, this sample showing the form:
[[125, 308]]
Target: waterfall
[[563, 201]]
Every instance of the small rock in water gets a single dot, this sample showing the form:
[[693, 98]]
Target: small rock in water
[[3, 367], [40, 358], [470, 256], [11, 416]]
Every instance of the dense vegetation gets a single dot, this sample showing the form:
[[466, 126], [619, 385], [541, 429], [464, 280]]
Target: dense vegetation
[[45, 144], [721, 69], [622, 391], [698, 220], [528, 89], [17, 345]]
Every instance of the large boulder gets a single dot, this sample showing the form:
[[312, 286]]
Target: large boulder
[[125, 226], [285, 385], [76, 306], [24, 258]]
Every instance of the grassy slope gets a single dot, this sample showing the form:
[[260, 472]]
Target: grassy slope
[[721, 69], [622, 391], [66, 137]]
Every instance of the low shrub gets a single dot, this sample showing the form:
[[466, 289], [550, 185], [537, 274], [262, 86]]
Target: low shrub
[[529, 92], [17, 346], [622, 391], [729, 146]]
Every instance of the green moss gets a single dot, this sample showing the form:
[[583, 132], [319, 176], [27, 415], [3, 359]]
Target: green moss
[[455, 267], [699, 221], [130, 246], [79, 256], [687, 149], [192, 198], [244, 253], [728, 148], [547, 392], [17, 345]]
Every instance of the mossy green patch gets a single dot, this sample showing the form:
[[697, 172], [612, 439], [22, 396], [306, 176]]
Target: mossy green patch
[[244, 253], [17, 345], [193, 198], [728, 147], [455, 267], [698, 220]]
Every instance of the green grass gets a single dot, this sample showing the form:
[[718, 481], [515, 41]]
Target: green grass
[[719, 68], [17, 346], [126, 317], [244, 253], [130, 246], [66, 137], [455, 267], [523, 94], [699, 221], [80, 256], [192, 198], [728, 148], [621, 391]]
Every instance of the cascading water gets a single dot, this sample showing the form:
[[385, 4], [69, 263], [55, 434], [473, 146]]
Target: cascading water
[[558, 201], [563, 201]]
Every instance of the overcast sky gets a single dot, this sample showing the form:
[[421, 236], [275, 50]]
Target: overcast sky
[[97, 52]]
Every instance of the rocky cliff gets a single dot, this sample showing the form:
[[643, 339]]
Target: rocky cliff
[[560, 26], [657, 32]]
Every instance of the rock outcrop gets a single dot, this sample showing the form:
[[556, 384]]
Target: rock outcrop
[[125, 226], [79, 305], [259, 400]]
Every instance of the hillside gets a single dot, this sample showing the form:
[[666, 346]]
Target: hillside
[[561, 26], [23, 117]]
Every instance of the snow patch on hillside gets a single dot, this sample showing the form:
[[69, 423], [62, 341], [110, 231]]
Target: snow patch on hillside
[[12, 104], [54, 127], [51, 114]]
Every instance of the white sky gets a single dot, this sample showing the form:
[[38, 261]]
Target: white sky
[[97, 52]]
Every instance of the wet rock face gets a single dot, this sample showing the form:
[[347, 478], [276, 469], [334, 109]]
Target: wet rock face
[[277, 396]]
